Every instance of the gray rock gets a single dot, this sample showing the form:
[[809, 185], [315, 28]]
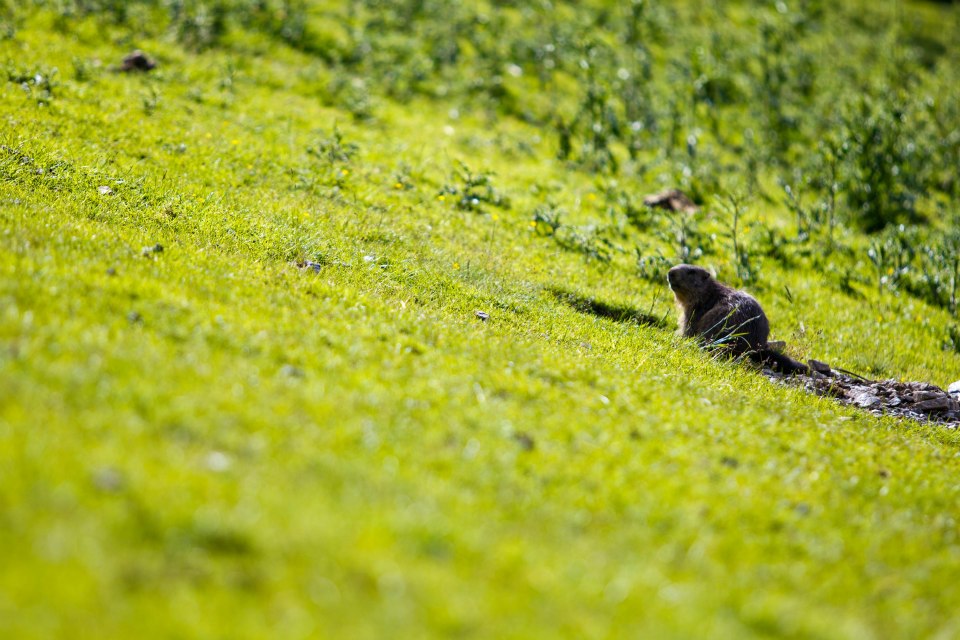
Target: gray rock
[[941, 403], [954, 389], [866, 400]]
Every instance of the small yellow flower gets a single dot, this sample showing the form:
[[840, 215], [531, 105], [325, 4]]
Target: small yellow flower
[[399, 185], [494, 217], [441, 197], [456, 265], [209, 135], [344, 172], [234, 142], [591, 196], [890, 271], [533, 223]]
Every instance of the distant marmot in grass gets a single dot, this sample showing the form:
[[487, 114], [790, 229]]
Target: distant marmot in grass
[[725, 317]]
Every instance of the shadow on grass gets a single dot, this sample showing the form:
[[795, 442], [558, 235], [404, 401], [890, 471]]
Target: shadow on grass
[[613, 311]]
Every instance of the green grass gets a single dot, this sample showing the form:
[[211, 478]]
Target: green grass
[[210, 441]]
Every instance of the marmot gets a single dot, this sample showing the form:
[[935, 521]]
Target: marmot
[[725, 317]]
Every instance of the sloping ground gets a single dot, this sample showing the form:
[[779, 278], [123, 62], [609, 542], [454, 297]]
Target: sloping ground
[[200, 437]]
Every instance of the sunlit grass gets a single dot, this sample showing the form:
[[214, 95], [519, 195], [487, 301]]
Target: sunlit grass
[[210, 440]]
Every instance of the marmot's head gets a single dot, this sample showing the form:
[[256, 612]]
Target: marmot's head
[[689, 283]]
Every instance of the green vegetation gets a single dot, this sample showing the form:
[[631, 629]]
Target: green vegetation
[[244, 390]]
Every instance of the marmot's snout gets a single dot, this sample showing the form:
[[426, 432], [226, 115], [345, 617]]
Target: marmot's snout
[[671, 278]]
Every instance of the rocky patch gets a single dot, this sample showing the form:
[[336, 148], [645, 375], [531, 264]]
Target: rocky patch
[[915, 400]]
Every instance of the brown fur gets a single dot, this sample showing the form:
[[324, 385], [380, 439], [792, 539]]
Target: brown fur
[[724, 317]]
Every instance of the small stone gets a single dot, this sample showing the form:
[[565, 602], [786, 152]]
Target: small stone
[[777, 345], [149, 251], [483, 315], [313, 266], [943, 403], [291, 371], [218, 461], [954, 389], [134, 317], [108, 480], [884, 473], [819, 367], [865, 399], [104, 190], [921, 396], [111, 271]]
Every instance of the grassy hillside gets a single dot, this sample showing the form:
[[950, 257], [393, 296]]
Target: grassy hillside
[[245, 391]]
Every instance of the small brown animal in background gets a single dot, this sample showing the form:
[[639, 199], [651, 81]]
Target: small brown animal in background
[[725, 317], [137, 61]]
